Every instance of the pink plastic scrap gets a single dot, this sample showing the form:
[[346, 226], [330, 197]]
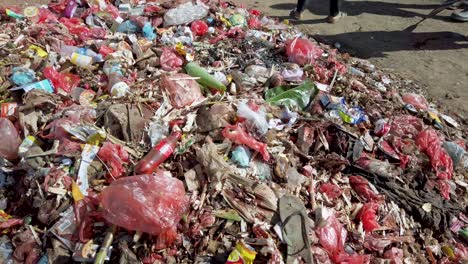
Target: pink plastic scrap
[[238, 135]]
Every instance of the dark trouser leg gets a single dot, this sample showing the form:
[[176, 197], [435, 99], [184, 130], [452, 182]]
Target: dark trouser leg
[[300, 5], [334, 7]]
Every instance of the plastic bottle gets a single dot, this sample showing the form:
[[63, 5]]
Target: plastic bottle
[[116, 86], [160, 153], [70, 9], [11, 140], [67, 52]]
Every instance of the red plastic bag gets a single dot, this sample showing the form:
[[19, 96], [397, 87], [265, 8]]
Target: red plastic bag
[[430, 143], [170, 60], [368, 216], [254, 23], [331, 190], [11, 139], [182, 89], [64, 81], [114, 156], [238, 135], [302, 51], [332, 238], [152, 204], [405, 126], [418, 101], [199, 27], [361, 187]]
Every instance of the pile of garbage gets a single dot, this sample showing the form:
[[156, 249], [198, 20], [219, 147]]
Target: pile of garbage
[[203, 132]]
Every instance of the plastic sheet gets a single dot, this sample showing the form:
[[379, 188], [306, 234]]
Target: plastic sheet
[[152, 204], [115, 157], [302, 51]]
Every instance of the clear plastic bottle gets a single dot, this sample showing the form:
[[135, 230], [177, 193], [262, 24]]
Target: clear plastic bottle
[[115, 84], [160, 153], [68, 51]]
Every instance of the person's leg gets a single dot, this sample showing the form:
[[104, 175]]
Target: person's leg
[[297, 12], [334, 7], [335, 12], [300, 6]]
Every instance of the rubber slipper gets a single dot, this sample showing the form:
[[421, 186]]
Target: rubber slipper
[[295, 222]]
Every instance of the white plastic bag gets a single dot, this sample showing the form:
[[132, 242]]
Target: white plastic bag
[[184, 14]]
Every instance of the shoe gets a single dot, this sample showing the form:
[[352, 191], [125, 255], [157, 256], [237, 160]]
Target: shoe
[[456, 5], [461, 16], [334, 19], [295, 14]]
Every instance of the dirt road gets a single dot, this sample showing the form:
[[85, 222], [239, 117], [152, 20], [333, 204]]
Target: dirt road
[[435, 54]]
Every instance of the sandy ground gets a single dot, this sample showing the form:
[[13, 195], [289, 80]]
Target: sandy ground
[[435, 54]]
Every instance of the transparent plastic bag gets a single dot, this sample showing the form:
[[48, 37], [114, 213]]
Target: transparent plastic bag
[[184, 14], [182, 89], [302, 51], [152, 204], [256, 118], [12, 140]]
